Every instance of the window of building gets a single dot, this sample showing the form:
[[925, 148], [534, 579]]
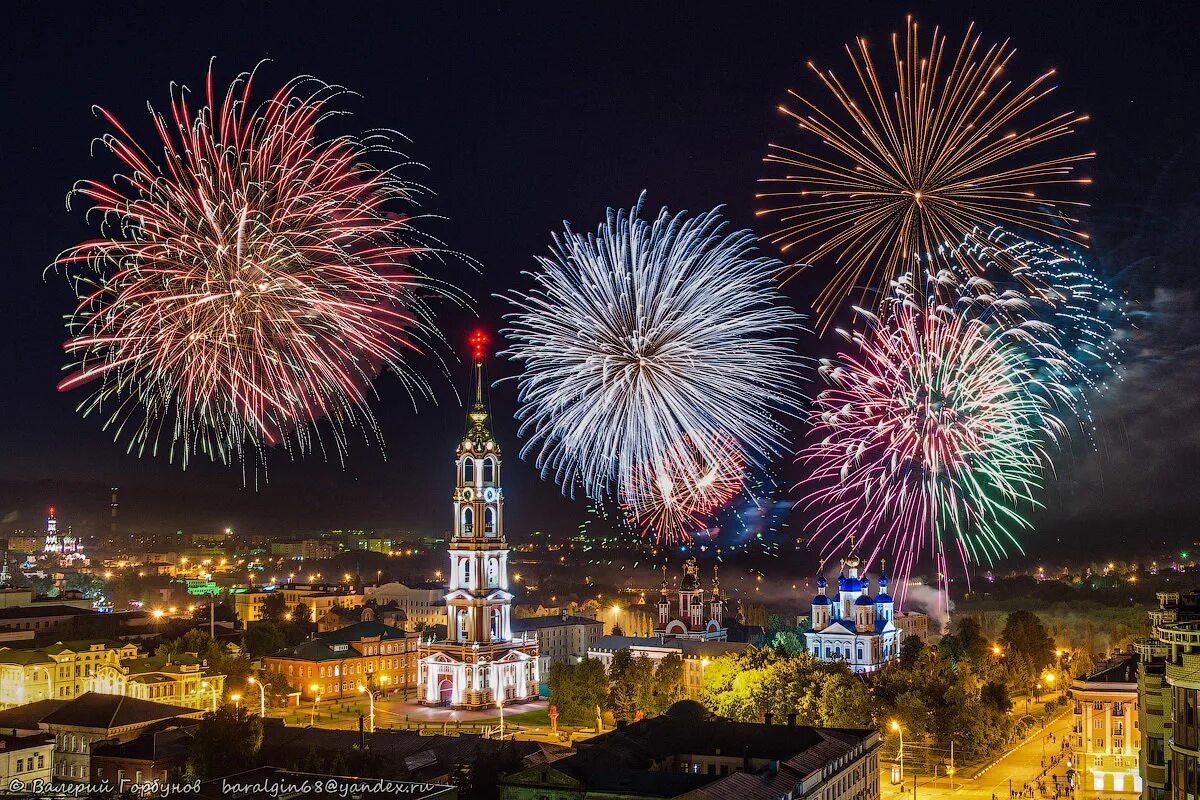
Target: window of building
[[468, 470]]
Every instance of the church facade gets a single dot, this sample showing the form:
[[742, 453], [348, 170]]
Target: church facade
[[479, 664], [852, 626], [692, 615]]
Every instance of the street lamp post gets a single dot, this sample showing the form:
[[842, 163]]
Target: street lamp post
[[213, 689], [262, 695], [500, 705], [237, 700], [896, 727], [312, 715], [370, 693]]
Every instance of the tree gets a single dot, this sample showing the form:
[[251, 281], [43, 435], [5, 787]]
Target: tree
[[576, 690], [274, 608], [910, 650], [1024, 635], [995, 695], [668, 684], [263, 638], [226, 741], [631, 682]]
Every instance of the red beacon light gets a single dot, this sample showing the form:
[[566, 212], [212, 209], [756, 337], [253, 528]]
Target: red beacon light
[[478, 341]]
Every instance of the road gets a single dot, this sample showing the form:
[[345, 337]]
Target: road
[[1021, 765]]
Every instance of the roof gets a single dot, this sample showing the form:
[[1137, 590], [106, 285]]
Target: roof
[[362, 630], [686, 647], [83, 645], [625, 760], [52, 610], [29, 715], [108, 711], [553, 621], [314, 650], [1122, 670], [150, 746], [12, 743], [24, 657]]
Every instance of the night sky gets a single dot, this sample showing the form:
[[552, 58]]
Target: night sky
[[528, 117]]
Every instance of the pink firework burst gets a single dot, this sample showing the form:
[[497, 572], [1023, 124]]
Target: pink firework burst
[[250, 282], [692, 482]]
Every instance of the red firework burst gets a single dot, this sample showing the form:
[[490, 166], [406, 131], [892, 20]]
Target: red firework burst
[[249, 283]]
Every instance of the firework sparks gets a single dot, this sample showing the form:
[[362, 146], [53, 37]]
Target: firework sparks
[[644, 335], [933, 435], [951, 149], [250, 283], [676, 504]]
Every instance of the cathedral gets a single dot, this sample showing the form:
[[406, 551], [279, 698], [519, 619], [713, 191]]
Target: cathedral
[[478, 665], [691, 616], [852, 626]]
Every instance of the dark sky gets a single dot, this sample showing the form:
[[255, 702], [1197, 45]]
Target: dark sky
[[525, 118]]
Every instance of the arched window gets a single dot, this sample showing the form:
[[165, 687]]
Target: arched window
[[489, 470], [489, 521], [492, 568], [468, 470], [468, 521], [465, 572]]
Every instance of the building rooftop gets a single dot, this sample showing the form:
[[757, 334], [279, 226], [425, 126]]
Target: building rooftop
[[50, 610], [687, 647], [1119, 670], [109, 711], [28, 716], [520, 624]]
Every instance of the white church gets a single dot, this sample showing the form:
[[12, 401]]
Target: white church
[[852, 626]]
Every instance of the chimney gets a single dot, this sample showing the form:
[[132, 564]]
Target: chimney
[[792, 720], [767, 718]]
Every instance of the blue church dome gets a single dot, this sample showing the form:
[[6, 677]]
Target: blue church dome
[[821, 583], [820, 600], [883, 597], [863, 600]]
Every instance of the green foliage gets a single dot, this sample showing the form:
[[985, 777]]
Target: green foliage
[[264, 638], [274, 608], [751, 684], [235, 668], [225, 742], [631, 681], [1026, 637], [910, 650], [577, 689]]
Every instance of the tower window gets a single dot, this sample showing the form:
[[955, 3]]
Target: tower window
[[468, 521], [489, 516], [489, 470], [468, 470]]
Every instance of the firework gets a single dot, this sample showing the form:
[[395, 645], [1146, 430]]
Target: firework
[[675, 504], [250, 283], [932, 435], [891, 173], [647, 334]]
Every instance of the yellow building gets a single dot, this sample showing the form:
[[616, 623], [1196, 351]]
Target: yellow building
[[66, 670], [318, 599], [1105, 733], [335, 664]]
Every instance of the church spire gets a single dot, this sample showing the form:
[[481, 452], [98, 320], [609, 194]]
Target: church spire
[[477, 432]]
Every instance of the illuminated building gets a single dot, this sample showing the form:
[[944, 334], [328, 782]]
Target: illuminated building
[[318, 599], [66, 670], [1105, 734], [686, 752], [336, 663], [852, 626], [691, 616], [479, 663], [424, 604], [53, 545]]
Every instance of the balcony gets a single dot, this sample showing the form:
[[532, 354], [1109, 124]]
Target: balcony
[[1149, 648], [1186, 673], [1181, 633]]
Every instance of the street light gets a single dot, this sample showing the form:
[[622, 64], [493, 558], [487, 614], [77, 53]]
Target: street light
[[370, 693], [262, 695], [312, 716], [895, 725], [237, 700], [213, 689]]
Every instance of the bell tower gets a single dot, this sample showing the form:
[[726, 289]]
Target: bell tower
[[478, 603]]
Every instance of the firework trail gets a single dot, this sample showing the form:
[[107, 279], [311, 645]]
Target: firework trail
[[645, 335], [250, 282], [677, 504], [933, 433], [952, 147]]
